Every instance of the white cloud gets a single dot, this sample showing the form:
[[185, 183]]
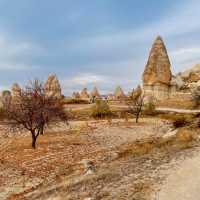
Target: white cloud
[[182, 19], [14, 53]]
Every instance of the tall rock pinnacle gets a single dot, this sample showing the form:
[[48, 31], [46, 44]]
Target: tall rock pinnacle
[[157, 69]]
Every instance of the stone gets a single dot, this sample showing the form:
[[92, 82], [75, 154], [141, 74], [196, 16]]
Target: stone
[[110, 97], [136, 93], [6, 97], [52, 87], [16, 90], [84, 94], [95, 93], [157, 70], [119, 93], [76, 95]]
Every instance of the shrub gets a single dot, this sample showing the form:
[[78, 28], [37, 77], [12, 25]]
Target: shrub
[[76, 101], [101, 109], [150, 108], [179, 122]]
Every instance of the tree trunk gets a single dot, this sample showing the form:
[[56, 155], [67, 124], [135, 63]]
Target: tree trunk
[[33, 140], [136, 119]]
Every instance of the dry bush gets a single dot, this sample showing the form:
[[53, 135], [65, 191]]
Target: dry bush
[[150, 108], [180, 122], [101, 109], [76, 101], [183, 139]]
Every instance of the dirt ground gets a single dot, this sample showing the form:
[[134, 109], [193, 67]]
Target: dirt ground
[[84, 161]]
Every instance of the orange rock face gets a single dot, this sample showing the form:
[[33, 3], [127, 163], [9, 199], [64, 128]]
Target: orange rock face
[[157, 69]]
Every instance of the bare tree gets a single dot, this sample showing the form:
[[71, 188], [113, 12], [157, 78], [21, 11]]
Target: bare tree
[[135, 106], [32, 109]]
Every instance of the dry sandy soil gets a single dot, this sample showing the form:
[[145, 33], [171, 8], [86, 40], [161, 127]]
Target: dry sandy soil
[[87, 160]]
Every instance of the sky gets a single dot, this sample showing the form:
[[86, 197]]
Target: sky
[[93, 42]]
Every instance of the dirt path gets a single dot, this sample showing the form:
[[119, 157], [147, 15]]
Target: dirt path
[[183, 182]]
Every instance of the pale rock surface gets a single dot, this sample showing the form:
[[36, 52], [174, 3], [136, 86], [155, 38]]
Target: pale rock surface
[[52, 87], [137, 92], [95, 93], [119, 93], [157, 69], [84, 94], [16, 90]]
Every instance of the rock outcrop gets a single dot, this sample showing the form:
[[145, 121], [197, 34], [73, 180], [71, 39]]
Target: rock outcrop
[[157, 75], [16, 90], [52, 87], [95, 93], [119, 93], [157, 69], [136, 93], [84, 94], [76, 95], [6, 97]]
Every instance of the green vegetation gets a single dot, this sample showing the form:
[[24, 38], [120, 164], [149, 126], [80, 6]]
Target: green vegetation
[[101, 109]]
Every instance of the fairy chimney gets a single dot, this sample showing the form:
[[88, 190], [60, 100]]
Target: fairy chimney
[[76, 95], [16, 90], [119, 94], [84, 94], [95, 93], [157, 69], [52, 87], [157, 74]]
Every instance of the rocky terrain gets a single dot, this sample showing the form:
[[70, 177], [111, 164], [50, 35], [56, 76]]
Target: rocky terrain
[[90, 160]]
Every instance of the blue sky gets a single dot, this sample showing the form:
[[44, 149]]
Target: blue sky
[[93, 42]]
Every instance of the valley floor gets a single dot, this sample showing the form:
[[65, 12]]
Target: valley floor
[[89, 160]]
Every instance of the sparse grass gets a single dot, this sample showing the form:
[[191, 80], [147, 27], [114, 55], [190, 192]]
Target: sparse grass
[[75, 101], [181, 140]]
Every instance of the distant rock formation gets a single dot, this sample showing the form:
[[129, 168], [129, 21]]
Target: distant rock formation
[[76, 95], [136, 93], [52, 87], [119, 93], [16, 90], [157, 69], [6, 97], [110, 97], [95, 93], [84, 94]]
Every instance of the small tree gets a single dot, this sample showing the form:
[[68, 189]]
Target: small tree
[[136, 106], [32, 109], [101, 109]]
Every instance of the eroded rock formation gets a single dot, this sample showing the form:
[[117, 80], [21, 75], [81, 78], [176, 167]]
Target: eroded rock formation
[[157, 75], [76, 95], [95, 93], [84, 94], [16, 90], [157, 69], [52, 87], [119, 93], [136, 93]]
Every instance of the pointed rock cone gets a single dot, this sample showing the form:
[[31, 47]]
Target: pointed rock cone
[[16, 90], [76, 95], [52, 87], [119, 94], [95, 93], [84, 94], [157, 69]]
